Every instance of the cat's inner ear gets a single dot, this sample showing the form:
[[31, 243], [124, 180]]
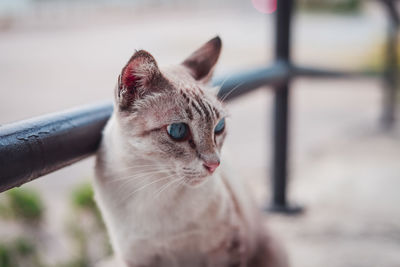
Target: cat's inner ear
[[139, 76], [201, 63]]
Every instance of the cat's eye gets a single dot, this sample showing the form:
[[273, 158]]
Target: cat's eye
[[219, 128], [178, 131]]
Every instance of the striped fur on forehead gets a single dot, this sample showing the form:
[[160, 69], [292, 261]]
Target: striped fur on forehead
[[182, 99], [202, 105], [194, 95]]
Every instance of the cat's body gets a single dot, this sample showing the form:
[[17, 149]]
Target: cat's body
[[163, 199]]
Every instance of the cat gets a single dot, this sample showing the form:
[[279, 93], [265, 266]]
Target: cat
[[162, 194]]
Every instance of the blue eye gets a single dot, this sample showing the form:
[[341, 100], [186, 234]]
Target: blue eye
[[178, 131], [220, 126]]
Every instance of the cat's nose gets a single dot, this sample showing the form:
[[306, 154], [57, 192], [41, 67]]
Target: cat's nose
[[211, 165]]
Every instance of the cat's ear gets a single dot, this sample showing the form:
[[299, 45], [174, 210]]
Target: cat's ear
[[139, 76], [201, 63]]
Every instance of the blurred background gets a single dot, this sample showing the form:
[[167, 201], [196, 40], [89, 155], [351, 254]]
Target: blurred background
[[344, 167]]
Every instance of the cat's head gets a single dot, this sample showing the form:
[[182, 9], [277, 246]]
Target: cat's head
[[170, 115]]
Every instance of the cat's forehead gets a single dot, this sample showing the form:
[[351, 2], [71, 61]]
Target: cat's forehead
[[181, 79], [186, 100], [194, 93]]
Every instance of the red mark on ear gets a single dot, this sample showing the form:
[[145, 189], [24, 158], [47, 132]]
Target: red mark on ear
[[129, 80]]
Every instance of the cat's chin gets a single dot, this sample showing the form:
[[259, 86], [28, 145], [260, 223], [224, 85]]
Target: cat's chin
[[196, 181]]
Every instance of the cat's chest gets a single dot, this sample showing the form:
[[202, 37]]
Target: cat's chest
[[214, 236], [189, 217], [223, 245], [188, 212]]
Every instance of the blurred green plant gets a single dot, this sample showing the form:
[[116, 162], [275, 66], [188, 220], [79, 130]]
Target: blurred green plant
[[20, 252], [76, 263], [26, 207], [25, 253], [83, 200], [4, 211], [6, 259], [25, 204], [83, 197], [335, 6], [80, 239], [24, 247], [91, 226]]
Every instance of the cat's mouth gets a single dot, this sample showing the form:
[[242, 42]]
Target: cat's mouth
[[194, 180], [193, 177]]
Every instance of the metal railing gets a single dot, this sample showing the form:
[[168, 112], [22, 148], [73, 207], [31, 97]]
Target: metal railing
[[35, 147]]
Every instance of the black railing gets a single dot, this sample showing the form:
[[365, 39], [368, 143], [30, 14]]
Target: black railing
[[35, 147]]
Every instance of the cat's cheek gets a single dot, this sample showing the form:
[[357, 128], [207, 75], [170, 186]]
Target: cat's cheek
[[171, 150], [219, 141]]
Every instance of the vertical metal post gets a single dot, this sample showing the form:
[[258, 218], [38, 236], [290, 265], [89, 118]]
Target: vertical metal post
[[390, 73], [281, 111]]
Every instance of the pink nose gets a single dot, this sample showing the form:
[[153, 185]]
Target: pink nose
[[211, 166]]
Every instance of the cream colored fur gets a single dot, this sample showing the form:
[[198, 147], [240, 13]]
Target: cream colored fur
[[155, 218]]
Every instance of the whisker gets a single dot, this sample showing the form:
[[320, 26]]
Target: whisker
[[141, 167], [137, 175], [231, 91], [183, 181], [125, 183], [224, 81], [144, 186], [165, 187]]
